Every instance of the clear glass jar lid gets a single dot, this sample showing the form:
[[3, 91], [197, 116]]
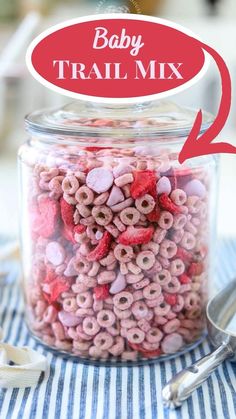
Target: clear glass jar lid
[[159, 118]]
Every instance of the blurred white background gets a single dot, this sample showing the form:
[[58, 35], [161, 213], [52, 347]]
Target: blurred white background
[[213, 21]]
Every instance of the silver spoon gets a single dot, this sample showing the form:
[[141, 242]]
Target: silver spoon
[[221, 325]]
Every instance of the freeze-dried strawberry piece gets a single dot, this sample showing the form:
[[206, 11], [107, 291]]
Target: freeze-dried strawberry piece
[[44, 217], [170, 299], [52, 290], [151, 354], [154, 215], [184, 255], [50, 276], [79, 229], [67, 213], [94, 149], [184, 279], [167, 204], [153, 192], [145, 352], [133, 236], [101, 292], [101, 249], [196, 268], [144, 182]]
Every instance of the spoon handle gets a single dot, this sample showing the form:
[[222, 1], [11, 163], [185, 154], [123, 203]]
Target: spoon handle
[[184, 383]]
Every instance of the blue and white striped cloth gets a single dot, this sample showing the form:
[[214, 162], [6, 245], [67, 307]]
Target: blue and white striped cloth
[[76, 391]]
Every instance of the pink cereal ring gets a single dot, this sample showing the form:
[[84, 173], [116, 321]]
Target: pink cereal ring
[[55, 184], [173, 286], [130, 216], [103, 341], [106, 318], [135, 335], [171, 326], [102, 215], [84, 195], [114, 330], [145, 204], [163, 277], [81, 264], [154, 335], [81, 334], [69, 305], [118, 348], [70, 185], [139, 310], [168, 249], [99, 179], [179, 221], [178, 196], [145, 259], [188, 241], [192, 301], [84, 300], [123, 253], [123, 300], [90, 326], [162, 309], [177, 267], [144, 325], [152, 291], [166, 220], [122, 314]]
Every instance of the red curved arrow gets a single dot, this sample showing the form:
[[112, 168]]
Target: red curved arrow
[[200, 146]]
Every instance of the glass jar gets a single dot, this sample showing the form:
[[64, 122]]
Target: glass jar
[[116, 234]]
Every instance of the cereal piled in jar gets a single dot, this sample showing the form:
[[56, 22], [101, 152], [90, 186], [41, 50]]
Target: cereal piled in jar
[[119, 251]]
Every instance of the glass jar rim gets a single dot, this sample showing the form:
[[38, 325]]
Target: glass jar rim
[[146, 119]]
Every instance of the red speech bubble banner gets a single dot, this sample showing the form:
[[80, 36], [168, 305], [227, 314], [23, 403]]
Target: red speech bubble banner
[[129, 58]]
